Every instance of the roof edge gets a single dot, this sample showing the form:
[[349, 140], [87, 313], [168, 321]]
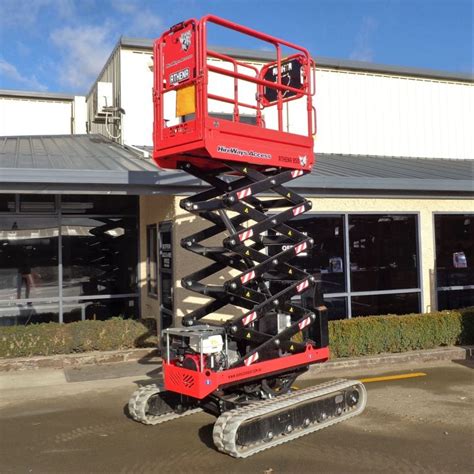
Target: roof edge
[[36, 94]]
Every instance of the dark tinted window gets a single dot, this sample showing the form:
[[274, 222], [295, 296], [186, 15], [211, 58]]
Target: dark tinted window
[[327, 255], [28, 269], [454, 250], [32, 203], [7, 203], [99, 255], [85, 204], [454, 299], [383, 252], [401, 303], [99, 309]]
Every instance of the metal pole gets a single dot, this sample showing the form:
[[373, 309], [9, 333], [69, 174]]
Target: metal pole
[[348, 265]]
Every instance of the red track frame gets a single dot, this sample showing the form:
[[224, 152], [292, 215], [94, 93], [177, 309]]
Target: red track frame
[[201, 384], [203, 140]]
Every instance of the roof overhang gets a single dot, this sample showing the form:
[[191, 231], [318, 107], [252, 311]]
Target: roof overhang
[[92, 163]]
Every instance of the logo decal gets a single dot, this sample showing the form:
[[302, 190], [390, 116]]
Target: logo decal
[[303, 160], [185, 40], [243, 153], [179, 76]]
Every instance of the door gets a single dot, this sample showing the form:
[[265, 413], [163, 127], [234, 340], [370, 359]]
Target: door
[[166, 274]]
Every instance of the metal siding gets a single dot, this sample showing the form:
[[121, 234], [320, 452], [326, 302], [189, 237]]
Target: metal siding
[[391, 116], [110, 73], [34, 117], [136, 97], [359, 113]]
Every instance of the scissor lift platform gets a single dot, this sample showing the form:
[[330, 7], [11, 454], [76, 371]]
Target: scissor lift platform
[[187, 95]]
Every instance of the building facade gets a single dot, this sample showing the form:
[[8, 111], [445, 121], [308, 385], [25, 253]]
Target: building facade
[[90, 228]]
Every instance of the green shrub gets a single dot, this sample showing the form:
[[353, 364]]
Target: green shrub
[[391, 333], [53, 338], [348, 338]]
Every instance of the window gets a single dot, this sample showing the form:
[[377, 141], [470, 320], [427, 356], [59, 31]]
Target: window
[[57, 266], [383, 252], [152, 260], [325, 259], [7, 203], [454, 235], [80, 204], [399, 303], [373, 270], [28, 269], [99, 256], [38, 203]]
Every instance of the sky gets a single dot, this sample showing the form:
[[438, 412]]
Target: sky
[[61, 45]]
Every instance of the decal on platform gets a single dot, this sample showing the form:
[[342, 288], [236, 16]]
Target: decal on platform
[[179, 76], [239, 152], [185, 40]]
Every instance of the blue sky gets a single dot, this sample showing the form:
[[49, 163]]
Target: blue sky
[[61, 45]]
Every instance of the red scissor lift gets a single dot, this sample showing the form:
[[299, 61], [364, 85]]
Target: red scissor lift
[[245, 144]]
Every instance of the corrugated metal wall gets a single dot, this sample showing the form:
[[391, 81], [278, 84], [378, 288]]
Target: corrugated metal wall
[[137, 99], [393, 116], [25, 116], [110, 73], [358, 113]]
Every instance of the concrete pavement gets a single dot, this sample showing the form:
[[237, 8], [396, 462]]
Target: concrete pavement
[[423, 424]]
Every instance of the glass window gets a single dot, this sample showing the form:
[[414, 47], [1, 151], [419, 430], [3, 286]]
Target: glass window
[[454, 250], [99, 255], [28, 270], [454, 234], [32, 203], [327, 255], [383, 252], [99, 309], [7, 203], [337, 308], [86, 204], [400, 303], [450, 299], [28, 258], [34, 311], [152, 260]]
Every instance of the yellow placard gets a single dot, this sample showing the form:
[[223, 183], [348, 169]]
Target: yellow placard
[[186, 100]]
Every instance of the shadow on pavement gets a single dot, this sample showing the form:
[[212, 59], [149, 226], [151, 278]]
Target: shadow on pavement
[[205, 435], [469, 363]]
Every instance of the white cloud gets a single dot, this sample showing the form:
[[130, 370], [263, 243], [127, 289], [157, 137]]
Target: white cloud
[[84, 50], [138, 20], [26, 12], [363, 50], [9, 71]]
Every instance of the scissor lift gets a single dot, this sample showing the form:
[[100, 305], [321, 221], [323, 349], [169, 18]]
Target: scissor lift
[[238, 370]]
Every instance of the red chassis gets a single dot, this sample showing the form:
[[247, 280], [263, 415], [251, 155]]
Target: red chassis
[[201, 384]]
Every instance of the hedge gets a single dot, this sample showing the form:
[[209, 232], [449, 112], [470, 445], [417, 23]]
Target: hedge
[[348, 338], [83, 336], [392, 333]]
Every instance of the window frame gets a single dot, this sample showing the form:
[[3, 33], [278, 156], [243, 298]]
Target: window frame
[[152, 244], [436, 288], [349, 294]]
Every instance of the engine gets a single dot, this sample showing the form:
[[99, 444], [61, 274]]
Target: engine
[[199, 349]]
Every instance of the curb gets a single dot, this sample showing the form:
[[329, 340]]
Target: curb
[[62, 361], [128, 355], [426, 355]]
